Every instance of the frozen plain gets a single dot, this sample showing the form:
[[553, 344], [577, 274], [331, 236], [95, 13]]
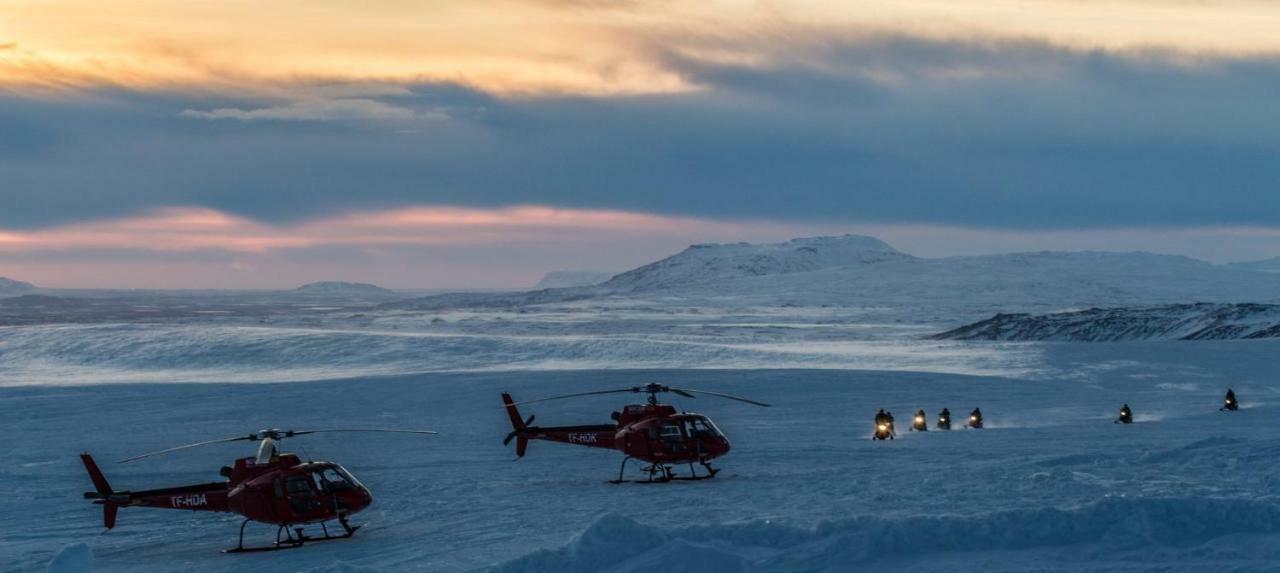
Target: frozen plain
[[1052, 484]]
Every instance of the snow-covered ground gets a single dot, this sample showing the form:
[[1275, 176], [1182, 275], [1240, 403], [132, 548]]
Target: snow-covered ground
[[309, 347], [827, 329], [1052, 484]]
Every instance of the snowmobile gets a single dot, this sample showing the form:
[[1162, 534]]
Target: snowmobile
[[920, 424], [1126, 415], [1229, 404], [975, 419], [944, 419], [884, 426]]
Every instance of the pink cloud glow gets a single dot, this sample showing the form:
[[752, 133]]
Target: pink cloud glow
[[193, 229], [455, 247]]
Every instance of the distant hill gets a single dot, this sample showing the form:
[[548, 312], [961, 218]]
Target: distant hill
[[344, 288], [1202, 321], [859, 270], [717, 263], [573, 278], [11, 287], [1271, 265]]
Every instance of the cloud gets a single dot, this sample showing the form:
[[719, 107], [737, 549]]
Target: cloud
[[816, 127], [428, 246], [176, 230], [344, 109]]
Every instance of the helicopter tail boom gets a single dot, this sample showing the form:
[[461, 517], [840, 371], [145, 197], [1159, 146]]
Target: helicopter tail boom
[[199, 497]]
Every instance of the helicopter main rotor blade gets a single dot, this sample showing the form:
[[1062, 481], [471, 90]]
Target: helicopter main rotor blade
[[632, 390], [249, 438], [729, 396], [292, 433], [682, 392]]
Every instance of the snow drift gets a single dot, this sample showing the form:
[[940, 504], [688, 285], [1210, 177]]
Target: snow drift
[[618, 544], [1168, 322], [106, 353]]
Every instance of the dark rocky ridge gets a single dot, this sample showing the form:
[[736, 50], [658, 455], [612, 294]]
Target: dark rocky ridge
[[1201, 321]]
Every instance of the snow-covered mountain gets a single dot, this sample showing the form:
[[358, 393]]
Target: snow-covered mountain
[[574, 278], [715, 264], [864, 271], [1202, 321], [343, 288], [11, 287]]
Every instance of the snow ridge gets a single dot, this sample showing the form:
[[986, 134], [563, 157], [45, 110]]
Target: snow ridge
[[573, 278], [14, 287], [343, 288], [1202, 321]]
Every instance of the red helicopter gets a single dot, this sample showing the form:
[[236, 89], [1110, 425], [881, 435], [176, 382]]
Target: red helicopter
[[271, 487], [651, 432]]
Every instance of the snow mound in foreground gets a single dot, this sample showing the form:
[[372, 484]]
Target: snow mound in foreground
[[618, 544], [1203, 321], [76, 558]]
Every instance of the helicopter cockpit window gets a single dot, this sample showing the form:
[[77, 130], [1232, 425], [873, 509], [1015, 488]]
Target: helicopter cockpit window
[[702, 427], [298, 485], [332, 480], [670, 432]]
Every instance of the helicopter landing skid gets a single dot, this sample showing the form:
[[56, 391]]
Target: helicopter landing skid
[[292, 539], [667, 475]]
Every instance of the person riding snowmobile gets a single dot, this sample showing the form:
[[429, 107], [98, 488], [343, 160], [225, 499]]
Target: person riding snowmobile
[[975, 419], [944, 419], [884, 426], [1229, 403], [1126, 415], [920, 424]]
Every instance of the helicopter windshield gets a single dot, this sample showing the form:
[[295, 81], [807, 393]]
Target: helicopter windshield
[[702, 427], [334, 479]]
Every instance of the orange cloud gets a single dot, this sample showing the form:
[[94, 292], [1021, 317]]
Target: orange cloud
[[537, 46]]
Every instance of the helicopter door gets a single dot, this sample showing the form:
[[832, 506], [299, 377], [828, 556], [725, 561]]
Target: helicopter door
[[672, 437], [301, 493]]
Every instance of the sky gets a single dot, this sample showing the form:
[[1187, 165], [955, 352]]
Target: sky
[[449, 144]]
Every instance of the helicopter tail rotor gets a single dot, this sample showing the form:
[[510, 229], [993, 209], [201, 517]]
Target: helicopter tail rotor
[[104, 491], [518, 425]]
